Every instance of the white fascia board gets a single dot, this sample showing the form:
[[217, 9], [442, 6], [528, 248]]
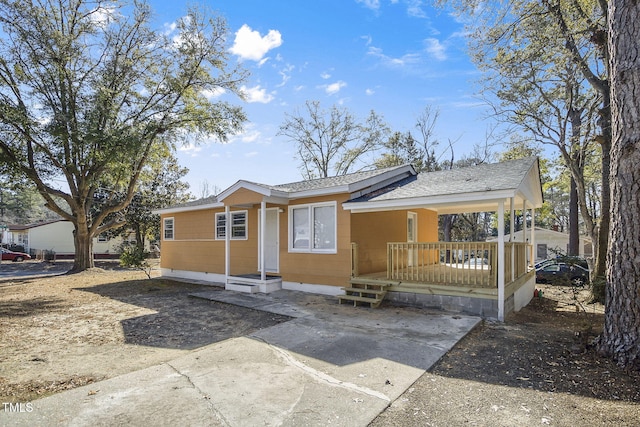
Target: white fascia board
[[530, 189], [277, 200], [430, 201], [188, 208], [256, 188], [327, 191]]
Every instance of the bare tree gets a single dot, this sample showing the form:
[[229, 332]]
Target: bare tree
[[333, 142]]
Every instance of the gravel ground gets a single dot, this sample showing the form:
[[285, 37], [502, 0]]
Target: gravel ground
[[538, 368]]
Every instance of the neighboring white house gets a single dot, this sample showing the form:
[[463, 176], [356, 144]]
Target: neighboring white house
[[550, 243], [57, 236]]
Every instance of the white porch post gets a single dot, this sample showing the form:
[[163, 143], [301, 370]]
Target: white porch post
[[263, 233], [512, 225], [227, 242], [501, 261], [534, 249], [524, 231]]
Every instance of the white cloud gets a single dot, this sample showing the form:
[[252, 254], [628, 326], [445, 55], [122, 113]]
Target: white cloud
[[436, 49], [251, 154], [250, 136], [257, 94], [103, 15], [369, 92], [286, 74], [211, 94], [370, 4], [410, 58], [334, 88], [414, 9], [325, 75], [248, 44], [170, 28], [190, 149]]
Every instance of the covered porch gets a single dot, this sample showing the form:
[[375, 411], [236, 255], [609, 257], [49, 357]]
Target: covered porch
[[489, 279], [426, 273]]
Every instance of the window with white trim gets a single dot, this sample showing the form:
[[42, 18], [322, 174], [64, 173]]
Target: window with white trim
[[238, 225], [312, 228], [167, 228]]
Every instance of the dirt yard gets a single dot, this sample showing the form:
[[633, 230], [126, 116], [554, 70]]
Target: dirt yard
[[538, 368], [66, 331]]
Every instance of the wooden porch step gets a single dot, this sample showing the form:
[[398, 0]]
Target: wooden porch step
[[373, 302], [366, 291], [371, 282], [370, 293]]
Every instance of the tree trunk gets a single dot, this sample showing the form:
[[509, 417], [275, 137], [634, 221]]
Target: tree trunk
[[84, 246], [621, 336], [447, 224], [139, 238], [574, 230], [602, 245]]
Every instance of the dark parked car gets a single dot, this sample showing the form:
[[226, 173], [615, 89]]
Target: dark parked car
[[562, 274], [569, 260], [8, 255]]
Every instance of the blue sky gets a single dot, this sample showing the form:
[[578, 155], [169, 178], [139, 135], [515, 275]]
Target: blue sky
[[391, 56]]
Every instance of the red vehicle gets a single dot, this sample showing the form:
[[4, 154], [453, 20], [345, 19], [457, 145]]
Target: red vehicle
[[8, 255]]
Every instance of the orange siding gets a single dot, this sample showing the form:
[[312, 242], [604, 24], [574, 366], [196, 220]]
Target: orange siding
[[373, 230], [427, 225], [195, 248], [194, 224], [243, 196], [318, 268]]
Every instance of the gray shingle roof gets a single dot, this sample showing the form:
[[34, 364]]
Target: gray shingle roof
[[485, 177], [330, 182], [200, 202]]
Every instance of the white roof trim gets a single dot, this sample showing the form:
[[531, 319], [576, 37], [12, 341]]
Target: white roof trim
[[432, 202], [188, 208], [256, 188]]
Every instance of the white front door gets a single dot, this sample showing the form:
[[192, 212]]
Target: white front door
[[271, 243]]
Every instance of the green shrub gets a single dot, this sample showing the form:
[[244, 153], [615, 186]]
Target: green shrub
[[135, 257]]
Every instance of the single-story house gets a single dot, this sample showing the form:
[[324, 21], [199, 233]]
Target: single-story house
[[57, 236], [550, 243], [362, 237]]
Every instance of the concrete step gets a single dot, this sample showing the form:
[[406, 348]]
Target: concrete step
[[242, 287]]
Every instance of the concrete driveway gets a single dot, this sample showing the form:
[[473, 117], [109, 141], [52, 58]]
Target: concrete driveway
[[330, 365]]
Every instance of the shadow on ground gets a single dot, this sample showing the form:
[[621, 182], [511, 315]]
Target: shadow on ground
[[543, 347], [31, 307], [181, 321]]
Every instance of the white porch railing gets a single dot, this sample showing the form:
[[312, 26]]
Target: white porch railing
[[454, 263]]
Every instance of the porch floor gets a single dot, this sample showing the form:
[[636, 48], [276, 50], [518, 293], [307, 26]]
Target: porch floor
[[256, 276]]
